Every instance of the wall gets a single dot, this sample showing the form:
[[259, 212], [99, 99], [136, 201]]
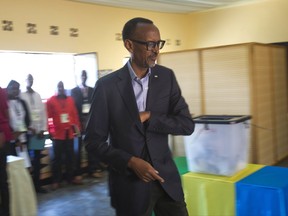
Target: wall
[[97, 28], [259, 21]]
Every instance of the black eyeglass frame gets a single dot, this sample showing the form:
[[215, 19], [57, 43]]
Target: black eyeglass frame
[[150, 45]]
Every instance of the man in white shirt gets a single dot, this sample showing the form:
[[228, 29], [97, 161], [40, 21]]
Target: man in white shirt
[[38, 125]]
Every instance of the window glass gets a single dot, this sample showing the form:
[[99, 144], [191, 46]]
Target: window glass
[[47, 70]]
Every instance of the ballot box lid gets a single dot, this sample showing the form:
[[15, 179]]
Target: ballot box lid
[[221, 119]]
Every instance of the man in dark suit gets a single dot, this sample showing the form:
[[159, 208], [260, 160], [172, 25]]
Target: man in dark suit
[[133, 111], [82, 96]]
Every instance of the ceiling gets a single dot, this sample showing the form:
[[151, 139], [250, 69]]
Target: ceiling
[[168, 6]]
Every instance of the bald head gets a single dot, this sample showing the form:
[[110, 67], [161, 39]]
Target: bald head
[[29, 81]]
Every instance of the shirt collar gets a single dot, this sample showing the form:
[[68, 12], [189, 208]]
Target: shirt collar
[[81, 86], [132, 72]]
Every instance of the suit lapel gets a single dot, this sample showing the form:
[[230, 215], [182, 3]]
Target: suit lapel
[[126, 91], [90, 92], [153, 87], [80, 95]]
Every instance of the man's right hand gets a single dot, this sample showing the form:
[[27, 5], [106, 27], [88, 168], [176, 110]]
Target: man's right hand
[[16, 134], [40, 135], [144, 170], [144, 116]]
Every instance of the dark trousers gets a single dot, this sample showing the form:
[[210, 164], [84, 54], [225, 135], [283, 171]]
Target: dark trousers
[[93, 160], [93, 163], [160, 203], [4, 190], [63, 149], [36, 163], [78, 157], [163, 205]]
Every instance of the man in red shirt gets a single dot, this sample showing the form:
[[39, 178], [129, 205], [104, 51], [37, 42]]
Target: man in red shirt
[[62, 111], [5, 137]]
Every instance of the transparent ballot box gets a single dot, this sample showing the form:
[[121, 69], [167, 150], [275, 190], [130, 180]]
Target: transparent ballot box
[[219, 144]]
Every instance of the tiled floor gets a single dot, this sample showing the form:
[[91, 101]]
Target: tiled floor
[[89, 199]]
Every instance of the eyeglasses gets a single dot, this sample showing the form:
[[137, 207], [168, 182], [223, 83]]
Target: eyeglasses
[[150, 45]]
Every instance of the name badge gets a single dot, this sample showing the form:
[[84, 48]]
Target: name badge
[[86, 108], [64, 118], [21, 126], [35, 115]]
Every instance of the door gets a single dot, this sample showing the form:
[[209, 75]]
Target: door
[[88, 62]]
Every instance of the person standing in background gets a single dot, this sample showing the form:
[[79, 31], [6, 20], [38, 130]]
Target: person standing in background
[[5, 137], [82, 96], [38, 126], [62, 110], [19, 119], [133, 111]]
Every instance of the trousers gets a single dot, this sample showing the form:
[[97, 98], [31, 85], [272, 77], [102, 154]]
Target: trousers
[[4, 189]]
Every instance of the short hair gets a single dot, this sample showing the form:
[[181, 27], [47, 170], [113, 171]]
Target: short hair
[[11, 83], [29, 75], [83, 72], [130, 26]]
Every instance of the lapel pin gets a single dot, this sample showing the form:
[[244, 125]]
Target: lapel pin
[[156, 76]]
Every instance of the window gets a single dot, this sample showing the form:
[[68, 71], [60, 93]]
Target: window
[[47, 70]]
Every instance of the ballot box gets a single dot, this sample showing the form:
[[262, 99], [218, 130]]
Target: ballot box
[[219, 144]]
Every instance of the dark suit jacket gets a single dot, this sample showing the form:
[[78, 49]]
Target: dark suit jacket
[[27, 114], [114, 112], [77, 95]]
